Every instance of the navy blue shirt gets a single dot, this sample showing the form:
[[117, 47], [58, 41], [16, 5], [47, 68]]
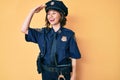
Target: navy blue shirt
[[66, 43]]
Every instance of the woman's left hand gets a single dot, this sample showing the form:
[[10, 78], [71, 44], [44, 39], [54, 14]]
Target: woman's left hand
[[73, 78]]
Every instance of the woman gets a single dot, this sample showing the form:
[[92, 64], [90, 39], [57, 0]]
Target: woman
[[57, 44]]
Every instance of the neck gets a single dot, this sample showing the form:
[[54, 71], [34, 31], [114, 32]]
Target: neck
[[56, 27]]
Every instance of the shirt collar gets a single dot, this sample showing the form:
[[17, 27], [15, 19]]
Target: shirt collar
[[59, 31]]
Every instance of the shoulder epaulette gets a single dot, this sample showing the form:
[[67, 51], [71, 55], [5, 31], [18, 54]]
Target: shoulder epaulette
[[39, 29]]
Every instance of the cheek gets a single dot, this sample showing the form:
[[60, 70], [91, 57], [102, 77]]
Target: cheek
[[47, 17], [58, 17]]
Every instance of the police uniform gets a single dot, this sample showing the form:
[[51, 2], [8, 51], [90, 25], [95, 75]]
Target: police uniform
[[66, 46]]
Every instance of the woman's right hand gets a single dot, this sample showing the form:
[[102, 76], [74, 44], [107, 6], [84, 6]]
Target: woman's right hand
[[26, 24], [38, 8]]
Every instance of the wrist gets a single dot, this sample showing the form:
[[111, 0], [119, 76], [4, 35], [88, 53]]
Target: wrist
[[32, 12], [73, 77]]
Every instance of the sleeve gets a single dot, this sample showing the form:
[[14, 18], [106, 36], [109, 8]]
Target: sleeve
[[32, 35], [74, 51]]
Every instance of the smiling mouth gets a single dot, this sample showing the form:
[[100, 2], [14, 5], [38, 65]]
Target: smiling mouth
[[52, 20]]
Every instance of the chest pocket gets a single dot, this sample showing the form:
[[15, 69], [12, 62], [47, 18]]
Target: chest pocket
[[62, 43]]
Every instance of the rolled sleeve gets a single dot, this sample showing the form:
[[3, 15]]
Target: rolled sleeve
[[32, 35], [74, 51]]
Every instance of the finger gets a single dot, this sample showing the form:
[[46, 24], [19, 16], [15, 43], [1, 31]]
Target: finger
[[39, 8], [44, 5]]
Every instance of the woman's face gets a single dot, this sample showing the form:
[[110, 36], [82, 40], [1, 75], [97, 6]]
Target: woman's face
[[53, 17]]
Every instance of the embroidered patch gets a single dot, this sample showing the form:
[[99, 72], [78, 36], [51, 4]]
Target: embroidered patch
[[38, 29], [64, 38]]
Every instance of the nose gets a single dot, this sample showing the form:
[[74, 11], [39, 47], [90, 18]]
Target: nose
[[50, 15]]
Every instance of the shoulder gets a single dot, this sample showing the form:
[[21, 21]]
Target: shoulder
[[68, 31], [42, 30]]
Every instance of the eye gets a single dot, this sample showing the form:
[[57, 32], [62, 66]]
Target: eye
[[48, 13]]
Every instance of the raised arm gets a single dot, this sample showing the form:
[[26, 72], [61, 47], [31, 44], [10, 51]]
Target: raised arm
[[27, 21]]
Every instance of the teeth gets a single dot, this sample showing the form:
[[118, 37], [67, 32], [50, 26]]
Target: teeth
[[52, 19]]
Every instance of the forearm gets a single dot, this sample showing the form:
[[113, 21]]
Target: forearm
[[73, 74], [26, 23]]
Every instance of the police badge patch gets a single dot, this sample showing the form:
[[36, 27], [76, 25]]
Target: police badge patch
[[52, 3], [64, 38]]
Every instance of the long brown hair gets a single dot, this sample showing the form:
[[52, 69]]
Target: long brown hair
[[62, 20]]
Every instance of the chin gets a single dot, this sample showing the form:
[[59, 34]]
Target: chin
[[52, 24]]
